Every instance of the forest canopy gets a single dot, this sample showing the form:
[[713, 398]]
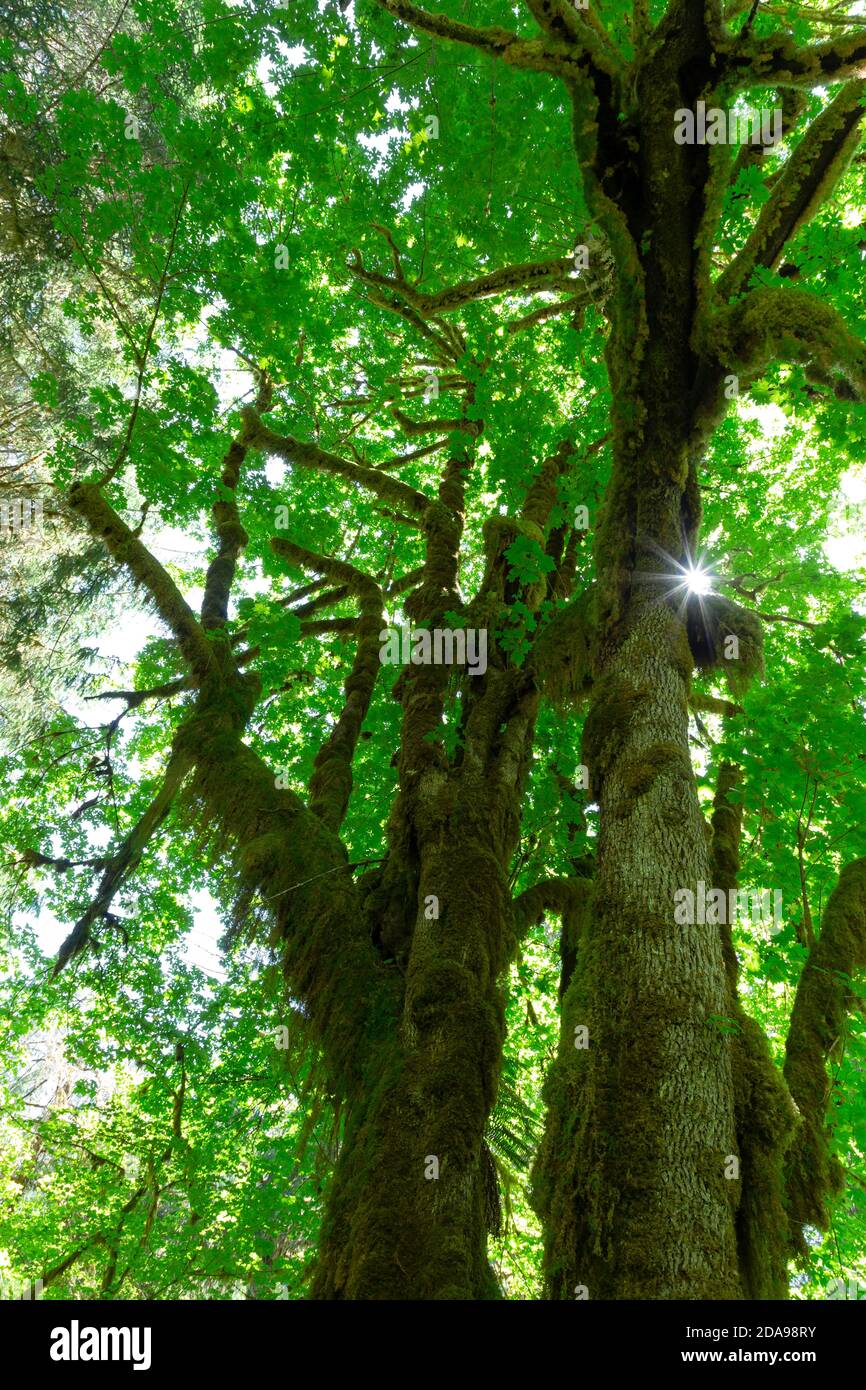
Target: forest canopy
[[432, 615]]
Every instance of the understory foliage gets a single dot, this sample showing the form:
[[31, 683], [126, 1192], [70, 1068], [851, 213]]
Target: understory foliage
[[321, 319]]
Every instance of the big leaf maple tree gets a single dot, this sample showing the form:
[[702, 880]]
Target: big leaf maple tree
[[329, 330]]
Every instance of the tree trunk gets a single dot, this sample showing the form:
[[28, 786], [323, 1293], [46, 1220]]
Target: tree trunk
[[631, 1180], [409, 1209]]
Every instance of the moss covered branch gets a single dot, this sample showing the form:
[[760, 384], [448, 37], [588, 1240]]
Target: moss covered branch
[[560, 56], [557, 895], [125, 859], [807, 180], [331, 784], [526, 278], [775, 323], [712, 704], [413, 427], [230, 534], [816, 1036], [777, 60], [124, 546], [299, 454], [561, 658]]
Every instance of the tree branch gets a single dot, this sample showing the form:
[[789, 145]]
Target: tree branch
[[818, 1020], [34, 860], [777, 60], [806, 181], [526, 277], [776, 321], [124, 860], [562, 57], [547, 311], [124, 545], [331, 783], [258, 436], [179, 686], [550, 895], [231, 536], [711, 704], [415, 427]]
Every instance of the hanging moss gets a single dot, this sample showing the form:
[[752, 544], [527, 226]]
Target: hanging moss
[[766, 1119], [765, 1114], [728, 638], [386, 1222], [561, 654], [725, 830], [585, 1187]]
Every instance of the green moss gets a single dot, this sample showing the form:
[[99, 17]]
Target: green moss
[[615, 703], [727, 638], [561, 655], [680, 652], [818, 1019], [765, 1114], [766, 1119], [502, 531], [639, 774], [259, 856], [772, 322], [599, 1159]]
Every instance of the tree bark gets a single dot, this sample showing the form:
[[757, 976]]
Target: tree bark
[[408, 1212], [631, 1179]]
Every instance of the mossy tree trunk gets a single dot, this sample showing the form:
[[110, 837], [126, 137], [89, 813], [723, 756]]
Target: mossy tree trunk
[[632, 1178], [400, 972], [410, 1206]]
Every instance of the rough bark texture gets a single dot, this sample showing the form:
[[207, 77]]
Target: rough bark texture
[[393, 1230], [632, 1182], [638, 1181]]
